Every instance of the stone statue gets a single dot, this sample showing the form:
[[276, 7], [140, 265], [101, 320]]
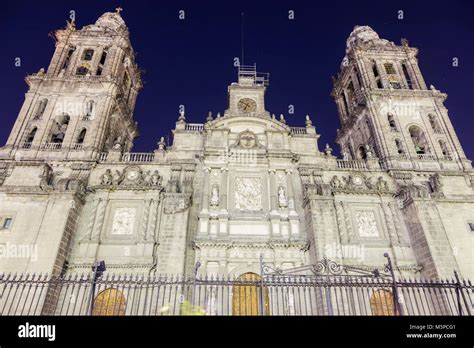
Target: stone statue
[[106, 178], [382, 184], [282, 201], [161, 144], [335, 182], [435, 183], [155, 179], [214, 196], [368, 151], [328, 150]]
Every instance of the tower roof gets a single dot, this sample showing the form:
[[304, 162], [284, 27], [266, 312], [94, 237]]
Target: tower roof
[[363, 34], [112, 20]]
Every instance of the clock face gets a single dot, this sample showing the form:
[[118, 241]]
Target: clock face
[[247, 105], [358, 180], [132, 175]]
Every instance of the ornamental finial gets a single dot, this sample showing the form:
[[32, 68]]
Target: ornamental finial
[[118, 10]]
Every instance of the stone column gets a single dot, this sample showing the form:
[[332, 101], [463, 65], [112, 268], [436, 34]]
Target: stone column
[[223, 189], [290, 193], [272, 191], [205, 190], [293, 215]]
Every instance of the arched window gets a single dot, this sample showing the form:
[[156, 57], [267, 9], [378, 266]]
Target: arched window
[[391, 122], [89, 107], [419, 140], [400, 148], [444, 147], [344, 101], [59, 128], [40, 109], [68, 58], [246, 295], [31, 136], [434, 123], [382, 302], [376, 75], [361, 152], [109, 302], [407, 76], [81, 136]]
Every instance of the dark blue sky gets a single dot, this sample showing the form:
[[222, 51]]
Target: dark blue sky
[[190, 61]]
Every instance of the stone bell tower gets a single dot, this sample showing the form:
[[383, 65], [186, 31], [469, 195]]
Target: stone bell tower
[[384, 106], [83, 103]]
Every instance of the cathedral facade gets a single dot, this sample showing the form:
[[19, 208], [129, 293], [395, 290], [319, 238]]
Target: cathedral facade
[[240, 186]]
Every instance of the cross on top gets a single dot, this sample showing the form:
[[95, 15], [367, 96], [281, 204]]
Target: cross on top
[[118, 10]]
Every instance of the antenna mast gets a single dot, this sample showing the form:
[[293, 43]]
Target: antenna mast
[[242, 61]]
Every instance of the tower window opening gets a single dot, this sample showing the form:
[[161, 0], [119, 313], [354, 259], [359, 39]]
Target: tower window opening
[[358, 78], [103, 57], [377, 76], [362, 152], [81, 137], [399, 145], [389, 68], [88, 54], [419, 140], [391, 122], [444, 148], [31, 135], [89, 108], [346, 106], [375, 70], [41, 107], [350, 93], [68, 58], [434, 124], [100, 68], [82, 71], [59, 129], [407, 76]]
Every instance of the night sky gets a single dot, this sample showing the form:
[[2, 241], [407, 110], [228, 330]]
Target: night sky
[[190, 61]]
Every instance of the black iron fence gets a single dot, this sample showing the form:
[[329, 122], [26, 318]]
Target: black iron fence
[[321, 292]]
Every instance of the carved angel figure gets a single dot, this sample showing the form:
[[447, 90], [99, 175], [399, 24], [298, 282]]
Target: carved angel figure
[[155, 179], [382, 184], [335, 182], [106, 178]]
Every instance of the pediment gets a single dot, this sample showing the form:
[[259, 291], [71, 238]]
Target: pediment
[[257, 125]]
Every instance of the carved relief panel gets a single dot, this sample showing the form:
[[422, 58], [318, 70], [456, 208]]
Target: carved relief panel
[[123, 221], [248, 194]]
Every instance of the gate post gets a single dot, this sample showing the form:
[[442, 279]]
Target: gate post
[[262, 297], [389, 266], [98, 268]]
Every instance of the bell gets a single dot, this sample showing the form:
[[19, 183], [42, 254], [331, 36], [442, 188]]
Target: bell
[[58, 137]]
